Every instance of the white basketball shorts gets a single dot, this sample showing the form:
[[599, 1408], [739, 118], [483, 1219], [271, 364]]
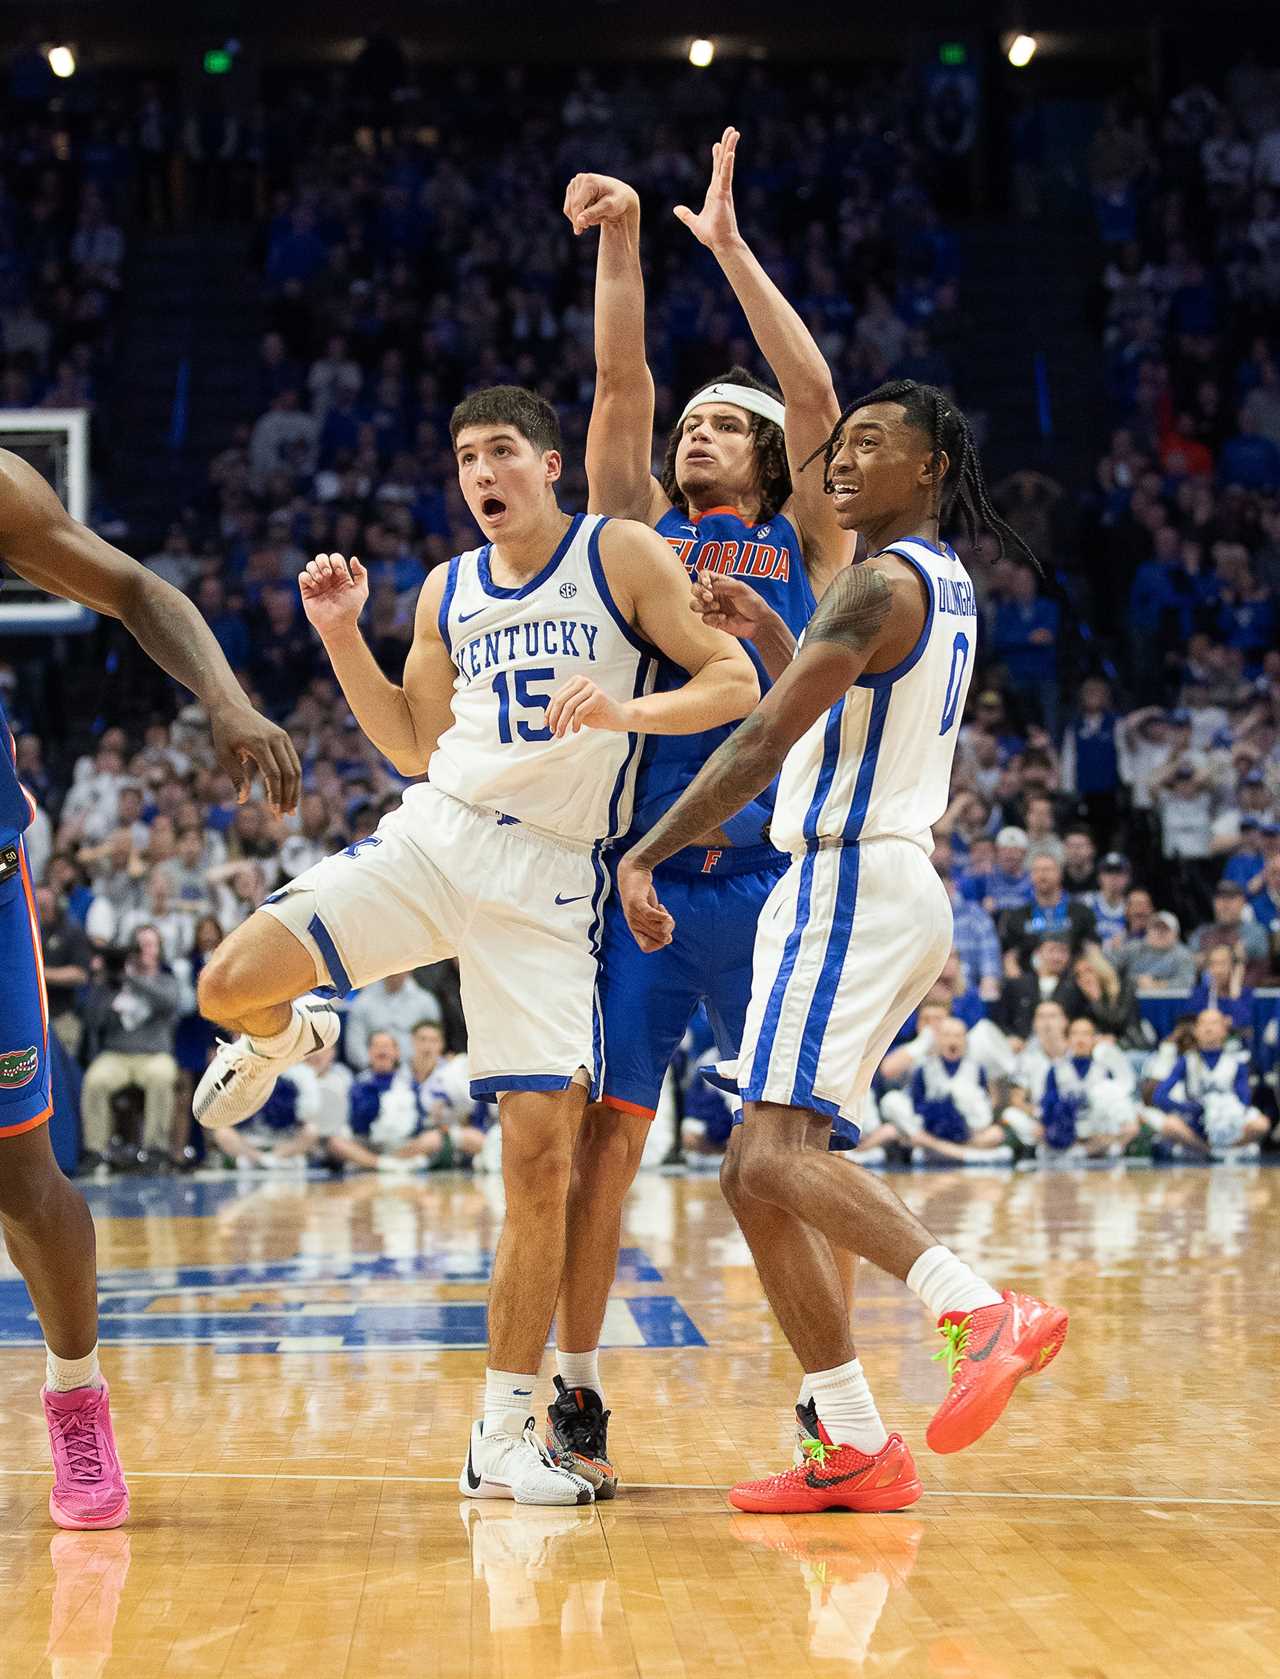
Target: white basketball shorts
[[521, 911], [850, 940]]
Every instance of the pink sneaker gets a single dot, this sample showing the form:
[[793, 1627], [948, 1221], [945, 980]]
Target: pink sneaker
[[88, 1482]]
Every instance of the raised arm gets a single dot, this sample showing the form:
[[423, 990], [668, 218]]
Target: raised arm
[[798, 365], [405, 722], [650, 589], [47, 547], [872, 611], [620, 479]]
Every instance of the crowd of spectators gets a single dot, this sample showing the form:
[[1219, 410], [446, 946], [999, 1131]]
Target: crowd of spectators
[[1108, 843]]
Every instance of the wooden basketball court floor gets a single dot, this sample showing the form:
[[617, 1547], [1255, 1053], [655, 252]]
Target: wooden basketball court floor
[[293, 1368]]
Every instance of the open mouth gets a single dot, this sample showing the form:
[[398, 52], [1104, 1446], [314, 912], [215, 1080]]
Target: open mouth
[[493, 507], [699, 457], [843, 493]]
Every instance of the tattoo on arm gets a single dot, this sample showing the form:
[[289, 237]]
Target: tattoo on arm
[[734, 774], [854, 609]]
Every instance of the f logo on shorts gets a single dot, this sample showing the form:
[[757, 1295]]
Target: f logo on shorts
[[710, 861]]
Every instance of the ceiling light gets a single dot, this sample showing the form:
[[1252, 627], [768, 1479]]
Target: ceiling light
[[701, 53], [1022, 49]]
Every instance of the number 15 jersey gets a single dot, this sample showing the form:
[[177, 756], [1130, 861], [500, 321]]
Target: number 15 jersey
[[878, 764], [513, 648]]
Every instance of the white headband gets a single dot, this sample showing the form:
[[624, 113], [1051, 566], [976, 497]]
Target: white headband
[[742, 396]]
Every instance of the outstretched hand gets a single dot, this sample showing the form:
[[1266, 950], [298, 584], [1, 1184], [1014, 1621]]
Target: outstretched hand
[[716, 224], [651, 925], [592, 200], [334, 591]]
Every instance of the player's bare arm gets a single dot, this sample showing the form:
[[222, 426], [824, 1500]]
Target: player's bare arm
[[47, 547], [731, 605], [870, 617], [404, 722], [798, 365], [648, 583], [620, 436]]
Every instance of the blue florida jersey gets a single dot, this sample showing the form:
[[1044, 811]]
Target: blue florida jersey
[[768, 557], [878, 764], [16, 808]]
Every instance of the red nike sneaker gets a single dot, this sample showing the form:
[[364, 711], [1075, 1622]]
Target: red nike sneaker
[[835, 1478], [987, 1353]]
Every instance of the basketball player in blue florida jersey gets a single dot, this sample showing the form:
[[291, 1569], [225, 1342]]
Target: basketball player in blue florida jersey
[[47, 1226], [863, 725], [526, 690], [731, 504]]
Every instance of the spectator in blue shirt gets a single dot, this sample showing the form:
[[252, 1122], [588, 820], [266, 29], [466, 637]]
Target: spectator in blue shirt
[[974, 939], [1266, 904], [1109, 901], [1089, 765], [1222, 987], [1008, 886], [1250, 459], [1025, 641]]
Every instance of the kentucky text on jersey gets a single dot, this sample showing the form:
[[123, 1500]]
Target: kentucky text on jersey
[[734, 559], [540, 638]]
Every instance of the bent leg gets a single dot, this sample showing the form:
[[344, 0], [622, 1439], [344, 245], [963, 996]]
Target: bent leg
[[49, 1233], [807, 1279], [605, 1163], [254, 975], [781, 1165], [539, 1131]]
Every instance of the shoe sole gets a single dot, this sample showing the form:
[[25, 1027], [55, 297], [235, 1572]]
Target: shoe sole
[[880, 1501], [1034, 1353], [76, 1524], [504, 1489], [602, 1478]]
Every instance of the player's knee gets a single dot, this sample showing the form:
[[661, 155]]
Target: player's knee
[[610, 1148], [536, 1167], [30, 1181], [760, 1162], [228, 981]]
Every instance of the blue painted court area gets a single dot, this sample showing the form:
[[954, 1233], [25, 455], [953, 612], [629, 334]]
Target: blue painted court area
[[323, 1304]]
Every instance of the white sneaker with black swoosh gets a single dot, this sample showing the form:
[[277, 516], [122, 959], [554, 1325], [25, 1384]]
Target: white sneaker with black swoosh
[[238, 1081], [518, 1466]]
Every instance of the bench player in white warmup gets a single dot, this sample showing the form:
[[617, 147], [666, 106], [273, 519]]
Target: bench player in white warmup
[[525, 695], [863, 724]]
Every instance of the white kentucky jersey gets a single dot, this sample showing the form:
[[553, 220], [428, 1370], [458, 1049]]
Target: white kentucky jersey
[[878, 764], [513, 648]]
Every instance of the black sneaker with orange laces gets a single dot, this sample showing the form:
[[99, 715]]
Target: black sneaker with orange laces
[[578, 1437]]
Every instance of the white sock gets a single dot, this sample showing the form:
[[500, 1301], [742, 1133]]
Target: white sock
[[508, 1401], [581, 1370], [282, 1045], [63, 1374], [947, 1284], [846, 1409]]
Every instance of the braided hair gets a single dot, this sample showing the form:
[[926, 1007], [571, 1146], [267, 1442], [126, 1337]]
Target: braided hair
[[963, 490], [771, 452]]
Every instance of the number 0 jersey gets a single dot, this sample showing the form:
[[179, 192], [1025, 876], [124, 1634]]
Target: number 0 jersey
[[878, 764], [513, 649]]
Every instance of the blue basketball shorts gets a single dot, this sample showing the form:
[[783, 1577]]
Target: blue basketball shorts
[[26, 1098], [647, 1000]]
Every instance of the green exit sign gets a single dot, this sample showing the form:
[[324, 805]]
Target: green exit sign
[[953, 52], [217, 62]]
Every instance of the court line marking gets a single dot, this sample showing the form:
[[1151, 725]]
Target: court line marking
[[679, 1486]]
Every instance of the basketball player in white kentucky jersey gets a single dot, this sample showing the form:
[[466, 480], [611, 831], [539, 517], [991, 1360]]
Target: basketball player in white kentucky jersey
[[863, 723], [525, 694]]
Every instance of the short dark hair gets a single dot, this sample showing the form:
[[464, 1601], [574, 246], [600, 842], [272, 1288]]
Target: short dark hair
[[509, 405]]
